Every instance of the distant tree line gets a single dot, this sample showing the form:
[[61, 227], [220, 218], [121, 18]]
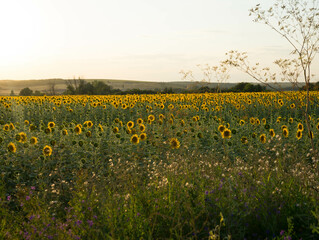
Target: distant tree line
[[312, 87], [81, 87]]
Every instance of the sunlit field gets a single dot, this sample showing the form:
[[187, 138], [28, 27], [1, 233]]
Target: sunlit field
[[166, 166]]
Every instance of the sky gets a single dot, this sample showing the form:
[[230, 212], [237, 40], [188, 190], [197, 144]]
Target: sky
[[147, 40]]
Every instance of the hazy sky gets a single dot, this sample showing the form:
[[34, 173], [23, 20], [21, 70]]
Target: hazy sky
[[128, 39]]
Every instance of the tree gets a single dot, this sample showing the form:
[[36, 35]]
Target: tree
[[297, 21], [12, 93], [26, 92], [219, 73]]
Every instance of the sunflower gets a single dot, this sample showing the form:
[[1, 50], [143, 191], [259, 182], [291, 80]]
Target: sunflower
[[171, 106], [47, 151], [64, 132], [244, 140], [139, 121], [262, 138], [272, 132], [161, 116], [310, 135], [292, 105], [135, 139], [300, 127], [252, 121], [195, 119], [221, 128], [115, 130], [26, 122], [226, 133], [299, 135], [89, 124], [88, 134], [143, 136], [241, 122], [285, 132], [34, 140], [174, 143], [283, 127], [32, 127], [317, 126], [264, 121], [151, 117], [128, 131], [48, 130], [78, 129], [11, 126], [23, 137], [101, 128], [12, 148], [142, 127], [257, 121], [51, 125], [6, 127], [130, 124], [291, 120]]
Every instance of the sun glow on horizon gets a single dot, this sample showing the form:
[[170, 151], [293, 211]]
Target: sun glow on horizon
[[124, 39]]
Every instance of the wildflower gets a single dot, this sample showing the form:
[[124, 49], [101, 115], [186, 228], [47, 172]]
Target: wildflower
[[64, 132], [47, 151], [26, 122]]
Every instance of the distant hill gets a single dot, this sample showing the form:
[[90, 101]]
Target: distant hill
[[6, 86]]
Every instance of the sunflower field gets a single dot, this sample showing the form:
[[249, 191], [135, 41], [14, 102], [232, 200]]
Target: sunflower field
[[162, 166]]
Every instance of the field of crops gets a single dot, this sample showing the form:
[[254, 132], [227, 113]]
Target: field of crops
[[166, 166]]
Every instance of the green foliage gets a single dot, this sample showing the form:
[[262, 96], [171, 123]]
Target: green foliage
[[26, 92]]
